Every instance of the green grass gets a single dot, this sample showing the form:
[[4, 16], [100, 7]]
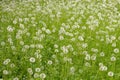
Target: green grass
[[70, 33]]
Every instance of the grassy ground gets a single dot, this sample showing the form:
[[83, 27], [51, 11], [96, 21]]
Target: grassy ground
[[60, 39]]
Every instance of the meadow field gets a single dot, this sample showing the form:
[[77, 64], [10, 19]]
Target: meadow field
[[59, 39]]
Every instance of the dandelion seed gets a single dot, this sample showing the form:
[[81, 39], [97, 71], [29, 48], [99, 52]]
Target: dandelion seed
[[21, 43], [20, 19], [32, 59], [3, 43], [28, 34], [10, 29], [113, 44], [26, 19], [103, 68], [30, 71], [84, 45], [102, 54], [23, 49], [113, 37], [5, 72], [50, 62], [39, 46], [116, 50], [16, 78], [21, 26], [100, 64], [43, 29], [87, 64], [15, 22], [36, 75], [94, 50], [87, 57], [32, 46], [13, 47], [56, 50], [84, 28], [12, 65], [113, 58], [110, 73], [42, 75], [53, 56], [65, 49], [55, 46], [6, 61], [81, 38], [61, 37], [26, 47], [37, 69], [72, 70], [18, 37], [73, 39], [62, 30], [48, 31], [93, 57]]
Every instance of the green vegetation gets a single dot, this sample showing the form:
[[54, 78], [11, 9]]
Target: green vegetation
[[60, 39]]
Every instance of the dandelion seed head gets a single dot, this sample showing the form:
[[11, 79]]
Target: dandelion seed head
[[87, 57], [36, 75], [10, 28], [103, 68], [84, 45], [55, 46], [42, 75], [48, 31], [16, 78], [87, 64], [32, 59], [113, 58], [72, 69], [2, 43], [102, 54], [113, 44], [15, 22], [5, 72], [81, 38], [12, 65], [110, 73], [116, 50], [50, 62], [93, 57], [37, 69]]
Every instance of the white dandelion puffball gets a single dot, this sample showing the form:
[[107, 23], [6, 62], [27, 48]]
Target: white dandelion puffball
[[103, 68], [81, 38], [102, 54], [32, 59], [110, 73], [36, 75], [50, 62], [37, 69], [16, 78], [10, 29], [42, 75], [5, 72], [113, 58], [116, 50], [2, 43]]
